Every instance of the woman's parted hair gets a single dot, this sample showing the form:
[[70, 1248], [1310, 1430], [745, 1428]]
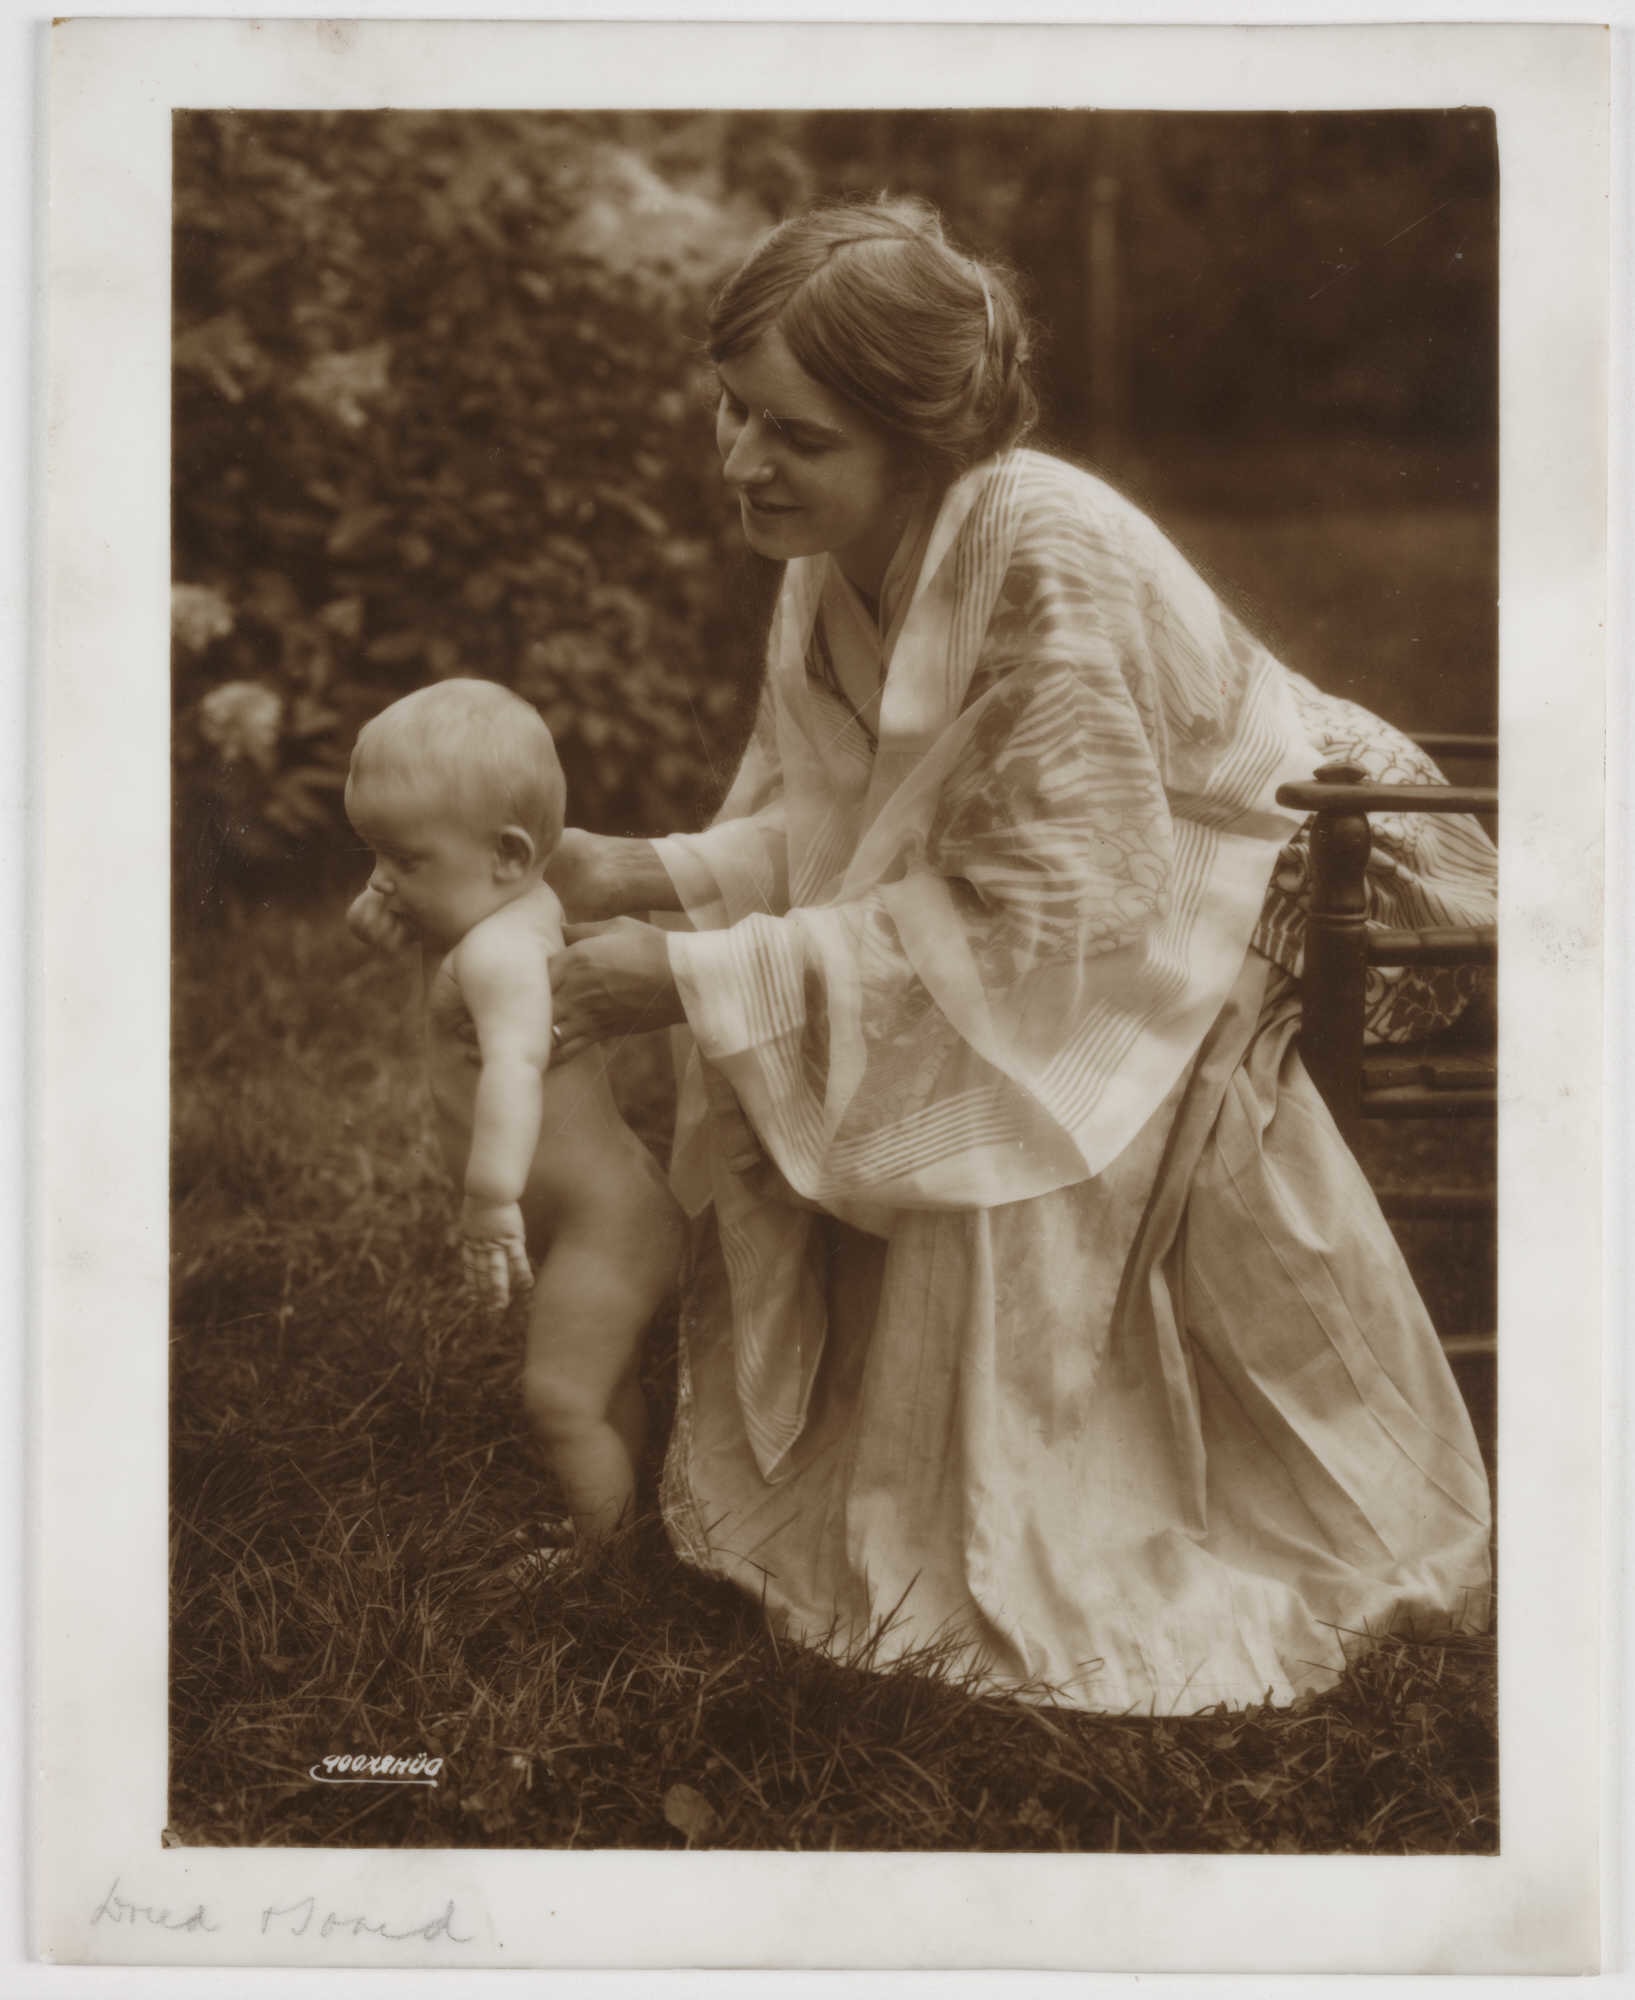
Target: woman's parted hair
[[877, 306], [478, 748]]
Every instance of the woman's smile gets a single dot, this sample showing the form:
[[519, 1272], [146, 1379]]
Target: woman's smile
[[813, 476]]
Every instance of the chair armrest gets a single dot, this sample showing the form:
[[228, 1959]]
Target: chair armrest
[[1319, 795]]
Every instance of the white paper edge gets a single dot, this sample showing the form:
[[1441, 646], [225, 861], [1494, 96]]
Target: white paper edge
[[1544, 1522]]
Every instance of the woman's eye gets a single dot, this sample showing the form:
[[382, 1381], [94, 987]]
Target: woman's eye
[[732, 408]]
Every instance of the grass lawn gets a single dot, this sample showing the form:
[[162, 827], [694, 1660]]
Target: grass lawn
[[350, 1473]]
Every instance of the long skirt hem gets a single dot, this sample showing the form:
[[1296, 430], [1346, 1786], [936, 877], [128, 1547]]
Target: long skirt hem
[[1177, 1437]]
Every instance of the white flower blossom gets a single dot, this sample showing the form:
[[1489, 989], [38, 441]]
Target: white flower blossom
[[241, 721], [341, 385], [198, 615]]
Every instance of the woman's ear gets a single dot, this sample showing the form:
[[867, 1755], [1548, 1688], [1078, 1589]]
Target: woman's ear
[[514, 853]]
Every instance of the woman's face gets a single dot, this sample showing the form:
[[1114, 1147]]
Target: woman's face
[[811, 474]]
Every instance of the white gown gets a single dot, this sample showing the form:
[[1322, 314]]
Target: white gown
[[1039, 1320]]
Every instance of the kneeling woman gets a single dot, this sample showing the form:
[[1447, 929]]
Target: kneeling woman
[[1037, 1309]]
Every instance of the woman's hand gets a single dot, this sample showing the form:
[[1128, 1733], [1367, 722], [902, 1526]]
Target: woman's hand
[[599, 875], [574, 874], [614, 979]]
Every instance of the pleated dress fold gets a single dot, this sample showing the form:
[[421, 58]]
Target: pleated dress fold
[[1177, 1436]]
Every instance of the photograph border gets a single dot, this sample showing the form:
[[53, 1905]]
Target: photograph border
[[101, 1049]]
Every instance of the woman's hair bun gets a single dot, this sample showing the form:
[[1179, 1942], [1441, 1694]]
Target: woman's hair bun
[[878, 306], [915, 214]]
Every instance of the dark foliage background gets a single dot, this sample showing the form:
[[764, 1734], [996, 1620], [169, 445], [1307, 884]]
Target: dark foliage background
[[1280, 276], [437, 410], [435, 413]]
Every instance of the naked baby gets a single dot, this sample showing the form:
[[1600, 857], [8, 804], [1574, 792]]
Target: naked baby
[[458, 792]]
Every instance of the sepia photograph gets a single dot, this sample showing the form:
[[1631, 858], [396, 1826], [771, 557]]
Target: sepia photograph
[[813, 1224], [833, 1084]]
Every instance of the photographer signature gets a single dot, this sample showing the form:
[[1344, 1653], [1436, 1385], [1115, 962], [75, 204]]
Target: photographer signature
[[364, 1769]]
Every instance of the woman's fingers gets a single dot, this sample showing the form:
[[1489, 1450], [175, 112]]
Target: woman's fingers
[[612, 980], [572, 871], [577, 1001]]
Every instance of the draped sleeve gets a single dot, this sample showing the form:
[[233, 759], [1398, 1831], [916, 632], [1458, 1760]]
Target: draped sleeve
[[740, 864], [1037, 911]]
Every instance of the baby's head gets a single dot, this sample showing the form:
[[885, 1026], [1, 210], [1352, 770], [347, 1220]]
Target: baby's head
[[458, 790]]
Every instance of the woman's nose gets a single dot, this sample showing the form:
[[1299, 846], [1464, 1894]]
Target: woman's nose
[[746, 461]]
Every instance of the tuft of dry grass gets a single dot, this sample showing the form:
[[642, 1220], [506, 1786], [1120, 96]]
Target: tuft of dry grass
[[351, 1477]]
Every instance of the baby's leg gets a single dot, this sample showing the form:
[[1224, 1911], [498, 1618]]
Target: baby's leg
[[591, 1306], [629, 1414]]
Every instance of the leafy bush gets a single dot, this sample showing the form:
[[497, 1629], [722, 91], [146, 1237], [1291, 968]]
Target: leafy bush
[[436, 412]]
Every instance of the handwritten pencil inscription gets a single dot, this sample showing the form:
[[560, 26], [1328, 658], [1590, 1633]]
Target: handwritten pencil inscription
[[302, 1918], [117, 1909], [295, 1920]]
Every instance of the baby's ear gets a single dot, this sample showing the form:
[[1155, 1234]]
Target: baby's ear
[[515, 852]]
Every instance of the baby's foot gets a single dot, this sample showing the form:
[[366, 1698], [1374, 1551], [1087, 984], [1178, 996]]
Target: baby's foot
[[539, 1565], [553, 1548]]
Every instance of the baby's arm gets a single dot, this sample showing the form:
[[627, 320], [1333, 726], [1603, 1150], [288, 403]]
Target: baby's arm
[[507, 992]]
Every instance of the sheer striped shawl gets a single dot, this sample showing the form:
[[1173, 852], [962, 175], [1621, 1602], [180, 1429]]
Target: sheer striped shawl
[[966, 966]]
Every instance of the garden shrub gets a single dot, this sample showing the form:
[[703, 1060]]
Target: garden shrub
[[438, 409]]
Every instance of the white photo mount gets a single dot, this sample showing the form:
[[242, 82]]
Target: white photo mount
[[106, 1889]]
